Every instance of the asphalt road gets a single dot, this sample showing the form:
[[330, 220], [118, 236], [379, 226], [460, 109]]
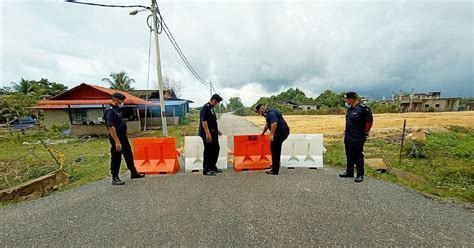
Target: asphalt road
[[297, 208]]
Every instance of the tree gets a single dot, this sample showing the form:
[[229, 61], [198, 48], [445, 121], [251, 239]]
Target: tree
[[120, 81], [330, 99], [173, 85], [14, 105], [47, 89], [41, 89], [235, 103], [25, 87]]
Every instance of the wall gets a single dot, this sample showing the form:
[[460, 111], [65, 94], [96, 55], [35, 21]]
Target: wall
[[95, 114], [444, 104], [55, 117]]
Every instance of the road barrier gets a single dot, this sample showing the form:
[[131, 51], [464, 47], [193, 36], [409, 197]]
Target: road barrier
[[252, 152], [155, 155], [194, 148], [302, 150]]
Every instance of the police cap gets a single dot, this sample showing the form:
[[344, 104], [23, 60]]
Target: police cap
[[119, 96], [350, 95]]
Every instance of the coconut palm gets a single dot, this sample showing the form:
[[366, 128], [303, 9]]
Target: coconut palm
[[119, 81], [25, 87]]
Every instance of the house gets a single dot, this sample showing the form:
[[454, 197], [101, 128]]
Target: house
[[83, 106], [174, 107], [470, 105], [304, 107], [424, 102]]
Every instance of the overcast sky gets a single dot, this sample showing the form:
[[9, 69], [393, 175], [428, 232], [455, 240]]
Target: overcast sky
[[248, 48]]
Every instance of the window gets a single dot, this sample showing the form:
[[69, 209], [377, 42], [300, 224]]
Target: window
[[427, 105], [437, 105], [78, 116]]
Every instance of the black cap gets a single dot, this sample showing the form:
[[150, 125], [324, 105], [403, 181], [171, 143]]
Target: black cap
[[257, 108], [216, 97], [118, 95], [350, 95]]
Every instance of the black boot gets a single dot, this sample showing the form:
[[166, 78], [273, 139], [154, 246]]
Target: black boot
[[117, 181], [137, 175], [345, 174], [359, 179]]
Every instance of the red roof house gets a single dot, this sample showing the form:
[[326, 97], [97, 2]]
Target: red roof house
[[83, 106]]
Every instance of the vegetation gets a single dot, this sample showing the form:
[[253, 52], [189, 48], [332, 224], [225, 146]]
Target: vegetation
[[447, 171], [15, 100], [87, 159], [119, 81]]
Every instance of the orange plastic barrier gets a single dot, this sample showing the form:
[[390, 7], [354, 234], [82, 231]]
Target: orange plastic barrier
[[155, 155], [252, 152]]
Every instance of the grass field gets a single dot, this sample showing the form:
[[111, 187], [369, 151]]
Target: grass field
[[86, 159], [334, 124]]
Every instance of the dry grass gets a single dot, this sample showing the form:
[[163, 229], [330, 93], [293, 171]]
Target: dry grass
[[334, 124]]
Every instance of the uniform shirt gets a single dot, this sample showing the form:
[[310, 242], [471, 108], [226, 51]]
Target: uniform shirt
[[207, 114], [272, 116], [113, 118], [356, 118]]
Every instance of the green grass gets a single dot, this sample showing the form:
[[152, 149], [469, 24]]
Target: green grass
[[448, 169], [85, 160]]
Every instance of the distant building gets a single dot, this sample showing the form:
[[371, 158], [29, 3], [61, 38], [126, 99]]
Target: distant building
[[175, 108], [470, 105], [304, 107], [425, 102]]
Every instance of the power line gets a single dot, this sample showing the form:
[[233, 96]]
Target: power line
[[161, 26], [108, 5], [180, 51]]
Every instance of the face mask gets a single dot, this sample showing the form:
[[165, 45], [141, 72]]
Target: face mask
[[121, 104], [347, 105]]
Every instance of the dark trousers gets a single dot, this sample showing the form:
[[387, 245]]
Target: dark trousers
[[116, 159], [355, 156], [211, 154], [275, 148]]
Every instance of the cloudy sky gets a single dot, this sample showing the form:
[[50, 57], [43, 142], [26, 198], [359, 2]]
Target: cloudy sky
[[248, 48]]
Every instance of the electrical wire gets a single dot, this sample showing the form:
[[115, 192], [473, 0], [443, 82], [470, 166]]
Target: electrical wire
[[108, 5]]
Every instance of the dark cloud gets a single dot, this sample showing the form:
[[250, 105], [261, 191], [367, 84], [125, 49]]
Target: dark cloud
[[263, 47]]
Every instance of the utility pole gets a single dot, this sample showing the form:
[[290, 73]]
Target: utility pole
[[210, 87], [154, 10]]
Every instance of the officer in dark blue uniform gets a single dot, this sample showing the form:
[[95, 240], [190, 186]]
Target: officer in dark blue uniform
[[279, 132], [209, 132], [118, 140], [359, 120]]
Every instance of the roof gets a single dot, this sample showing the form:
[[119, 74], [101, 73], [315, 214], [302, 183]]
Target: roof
[[87, 94]]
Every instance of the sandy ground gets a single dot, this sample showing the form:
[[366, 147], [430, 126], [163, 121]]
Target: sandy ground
[[334, 124]]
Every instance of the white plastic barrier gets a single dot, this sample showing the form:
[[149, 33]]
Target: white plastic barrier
[[303, 150], [194, 149]]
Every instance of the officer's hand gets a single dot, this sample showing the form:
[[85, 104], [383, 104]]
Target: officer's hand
[[208, 139], [118, 147], [271, 138]]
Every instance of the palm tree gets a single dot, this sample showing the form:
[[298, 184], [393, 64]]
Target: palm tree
[[24, 87], [120, 81]]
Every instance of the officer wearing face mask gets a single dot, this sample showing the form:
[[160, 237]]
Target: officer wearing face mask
[[118, 140], [279, 132], [359, 120]]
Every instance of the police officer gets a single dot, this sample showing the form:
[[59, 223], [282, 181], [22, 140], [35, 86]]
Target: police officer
[[209, 132], [279, 132], [118, 140], [358, 123]]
